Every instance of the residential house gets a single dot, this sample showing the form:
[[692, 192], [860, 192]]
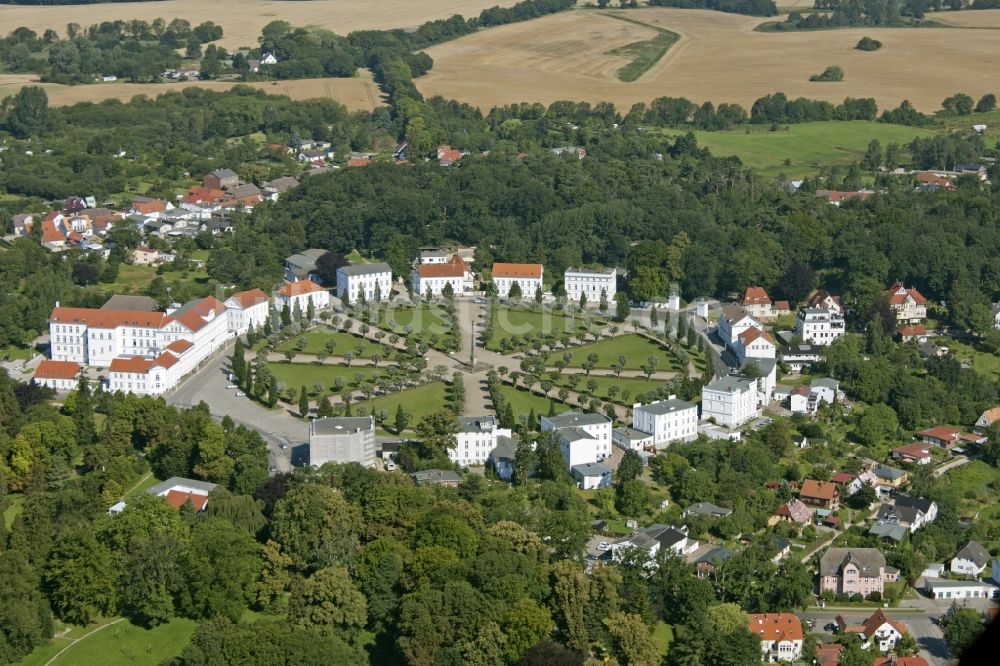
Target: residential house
[[273, 189], [853, 571], [592, 475], [146, 256], [431, 279], [731, 401], [433, 257], [801, 356], [246, 309], [502, 458], [734, 320], [364, 282], [792, 511], [915, 453], [819, 326], [583, 438], [220, 179], [58, 375], [909, 304], [958, 589], [199, 197], [710, 561], [932, 181], [178, 491], [302, 265], [911, 512], [912, 332], [781, 308], [987, 419], [939, 435], [822, 494], [893, 531], [798, 399], [782, 548], [147, 207], [654, 538], [299, 295], [890, 477], [827, 390], [527, 276], [996, 315], [824, 299], [971, 560], [893, 660], [706, 509], [475, 439], [594, 284], [859, 481], [343, 439], [446, 155], [757, 303], [246, 196], [630, 439], [569, 150], [754, 343], [876, 631], [828, 654], [314, 154], [437, 477], [668, 421], [837, 197], [22, 224], [780, 634]]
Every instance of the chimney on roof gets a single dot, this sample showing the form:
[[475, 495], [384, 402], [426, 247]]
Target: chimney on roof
[[57, 303]]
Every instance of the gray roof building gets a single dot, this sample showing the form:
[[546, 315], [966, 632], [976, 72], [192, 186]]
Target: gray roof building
[[436, 477], [715, 557], [591, 469], [893, 531], [575, 419], [365, 269], [870, 562], [342, 439], [891, 473], [706, 509], [731, 384], [630, 434], [130, 302], [661, 407], [476, 423], [974, 552]]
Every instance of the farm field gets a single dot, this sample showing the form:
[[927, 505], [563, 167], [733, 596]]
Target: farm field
[[806, 146], [980, 18], [719, 57], [635, 348], [242, 19], [357, 94]]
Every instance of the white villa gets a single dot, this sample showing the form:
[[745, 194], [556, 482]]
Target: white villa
[[667, 421], [372, 280], [819, 326], [300, 294], [730, 400], [583, 438], [734, 320], [431, 277], [590, 283], [476, 439], [527, 276], [246, 309]]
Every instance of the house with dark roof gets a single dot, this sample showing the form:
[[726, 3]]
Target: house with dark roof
[[220, 179], [706, 509], [971, 560], [910, 512], [654, 538], [707, 563], [853, 571]]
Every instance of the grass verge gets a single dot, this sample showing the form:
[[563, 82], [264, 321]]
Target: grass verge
[[644, 54]]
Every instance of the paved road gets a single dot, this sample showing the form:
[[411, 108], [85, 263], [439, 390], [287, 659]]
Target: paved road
[[278, 426], [921, 625], [952, 464]]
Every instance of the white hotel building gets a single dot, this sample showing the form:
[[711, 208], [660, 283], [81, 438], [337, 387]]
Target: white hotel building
[[583, 438], [434, 276], [475, 439], [527, 276], [667, 421], [731, 401], [146, 352], [590, 283], [819, 326], [300, 294], [369, 279]]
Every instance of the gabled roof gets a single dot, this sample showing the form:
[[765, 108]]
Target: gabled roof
[[299, 288], [180, 346], [841, 478], [48, 369], [134, 365], [992, 415], [734, 313], [247, 299], [194, 315], [107, 318], [898, 294], [755, 296], [914, 450], [751, 335], [869, 561], [775, 626], [177, 499], [224, 173], [974, 552], [900, 661], [531, 271], [795, 510], [453, 268], [51, 233], [876, 620], [147, 207], [943, 432], [818, 489]]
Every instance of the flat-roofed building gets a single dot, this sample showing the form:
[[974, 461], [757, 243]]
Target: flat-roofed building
[[342, 439], [590, 282]]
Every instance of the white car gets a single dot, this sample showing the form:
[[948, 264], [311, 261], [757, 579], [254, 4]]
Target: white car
[[603, 546], [240, 394], [232, 386]]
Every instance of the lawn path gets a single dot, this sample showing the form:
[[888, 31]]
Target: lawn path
[[77, 640]]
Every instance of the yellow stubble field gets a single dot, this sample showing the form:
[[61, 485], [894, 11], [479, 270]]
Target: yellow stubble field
[[719, 57]]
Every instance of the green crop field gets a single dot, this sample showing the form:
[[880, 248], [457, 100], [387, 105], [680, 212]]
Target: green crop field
[[343, 343], [805, 146], [635, 348]]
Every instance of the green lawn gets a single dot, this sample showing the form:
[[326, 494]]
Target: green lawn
[[15, 505], [634, 347], [15, 353], [634, 385], [982, 362], [522, 402], [520, 321], [122, 644], [426, 318], [663, 634], [147, 481], [136, 279], [295, 375], [317, 339], [806, 146], [418, 402]]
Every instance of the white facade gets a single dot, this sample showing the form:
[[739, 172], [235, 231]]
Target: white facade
[[583, 438], [731, 401], [300, 294], [345, 439], [527, 276], [369, 279], [956, 589], [247, 308], [667, 421], [475, 439], [57, 375], [433, 276], [819, 326], [734, 320], [971, 560], [754, 343], [590, 283]]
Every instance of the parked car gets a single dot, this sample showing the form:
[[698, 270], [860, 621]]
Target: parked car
[[604, 545], [240, 394], [232, 386], [831, 627]]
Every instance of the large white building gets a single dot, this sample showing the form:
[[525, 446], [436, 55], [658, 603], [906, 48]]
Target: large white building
[[372, 280], [527, 276], [246, 309], [730, 400], [300, 294], [670, 420], [590, 283], [734, 320], [431, 277], [146, 353], [583, 438], [58, 375], [819, 326], [342, 439], [475, 439]]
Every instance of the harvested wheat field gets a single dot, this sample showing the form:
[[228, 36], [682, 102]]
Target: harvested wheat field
[[242, 19], [719, 57], [357, 94], [980, 18]]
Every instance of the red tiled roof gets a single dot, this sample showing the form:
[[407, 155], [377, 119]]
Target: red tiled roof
[[752, 334], [899, 661], [250, 298], [775, 626], [52, 216], [941, 432], [841, 478], [795, 510], [448, 154], [48, 369], [180, 346], [836, 196], [178, 498], [165, 360], [755, 296], [915, 450], [820, 297], [50, 232], [517, 271], [200, 194], [196, 316], [135, 365], [358, 162], [298, 288], [912, 330], [818, 489], [147, 207], [455, 267], [898, 294], [782, 305], [801, 389], [828, 654]]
